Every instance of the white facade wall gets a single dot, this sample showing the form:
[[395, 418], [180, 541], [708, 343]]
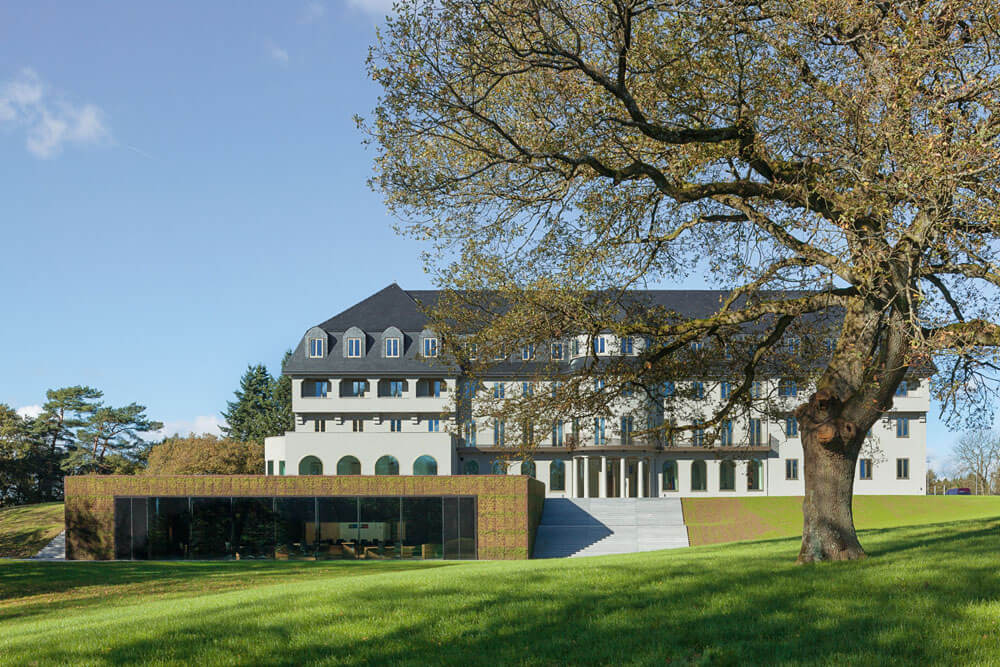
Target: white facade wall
[[338, 438]]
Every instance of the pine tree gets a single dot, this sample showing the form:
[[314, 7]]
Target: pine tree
[[284, 418], [110, 441], [251, 417], [65, 410]]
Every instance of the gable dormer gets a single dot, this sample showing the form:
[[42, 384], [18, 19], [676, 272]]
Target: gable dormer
[[430, 344], [392, 343], [355, 344], [317, 343]]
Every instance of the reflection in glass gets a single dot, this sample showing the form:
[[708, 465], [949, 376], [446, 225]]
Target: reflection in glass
[[378, 531], [295, 528], [123, 528], [338, 527], [169, 528], [420, 529], [211, 528], [253, 527]]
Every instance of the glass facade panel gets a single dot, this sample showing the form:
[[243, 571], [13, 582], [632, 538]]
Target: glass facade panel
[[727, 476], [420, 528], [698, 476], [294, 527], [291, 528], [211, 527], [378, 530], [169, 527]]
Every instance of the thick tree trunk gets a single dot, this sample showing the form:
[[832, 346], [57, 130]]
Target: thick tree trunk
[[830, 447]]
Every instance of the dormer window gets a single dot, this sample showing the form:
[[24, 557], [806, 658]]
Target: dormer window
[[354, 347], [628, 345], [557, 351], [391, 347], [316, 348], [792, 344], [696, 346], [430, 347], [472, 351], [527, 352]]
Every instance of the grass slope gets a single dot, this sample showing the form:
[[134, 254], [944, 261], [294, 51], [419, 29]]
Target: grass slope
[[929, 594], [716, 520], [26, 529]]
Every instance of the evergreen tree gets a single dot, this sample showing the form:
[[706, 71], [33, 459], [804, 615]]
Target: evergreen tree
[[252, 416], [65, 410], [284, 418], [22, 457], [110, 441]]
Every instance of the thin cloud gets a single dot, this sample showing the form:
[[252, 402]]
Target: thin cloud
[[277, 54], [30, 411], [312, 12], [49, 121], [378, 8], [209, 424]]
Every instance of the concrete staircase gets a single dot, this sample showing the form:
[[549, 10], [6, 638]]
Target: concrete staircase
[[54, 550], [598, 526]]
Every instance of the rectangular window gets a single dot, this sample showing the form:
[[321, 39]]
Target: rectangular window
[[698, 437], [697, 346], [902, 427], [788, 388], [726, 434], [791, 426], [270, 467], [395, 425], [557, 434], [498, 432], [316, 347], [281, 467], [314, 388], [434, 388], [698, 388], [902, 468], [354, 347], [527, 352], [668, 389], [430, 347], [829, 344], [358, 388], [792, 345], [791, 468], [727, 352], [556, 351], [576, 347], [433, 425], [319, 425], [628, 345], [391, 347], [756, 432], [599, 435], [725, 389], [865, 468], [757, 389], [396, 388], [470, 433], [901, 389], [358, 425], [527, 389], [599, 345], [472, 351], [498, 390], [627, 428], [598, 385]]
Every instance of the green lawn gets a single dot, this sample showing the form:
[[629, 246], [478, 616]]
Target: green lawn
[[929, 594], [25, 529], [716, 520]]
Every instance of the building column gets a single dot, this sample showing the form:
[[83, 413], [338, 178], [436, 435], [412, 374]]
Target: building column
[[602, 482], [642, 478], [622, 470], [586, 476], [571, 477]]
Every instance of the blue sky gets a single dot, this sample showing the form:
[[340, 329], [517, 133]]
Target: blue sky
[[184, 192]]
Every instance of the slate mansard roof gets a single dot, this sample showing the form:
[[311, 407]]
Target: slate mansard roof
[[399, 308]]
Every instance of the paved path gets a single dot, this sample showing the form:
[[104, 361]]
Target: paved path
[[54, 550], [597, 526]]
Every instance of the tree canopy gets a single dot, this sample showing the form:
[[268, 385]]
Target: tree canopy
[[830, 161], [263, 406], [205, 455]]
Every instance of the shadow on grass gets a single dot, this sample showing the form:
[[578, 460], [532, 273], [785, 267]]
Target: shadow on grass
[[920, 601]]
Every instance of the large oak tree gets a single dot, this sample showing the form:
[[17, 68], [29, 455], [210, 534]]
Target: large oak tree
[[829, 161]]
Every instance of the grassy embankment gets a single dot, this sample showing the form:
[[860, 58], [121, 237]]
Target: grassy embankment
[[717, 520], [929, 594], [26, 529]]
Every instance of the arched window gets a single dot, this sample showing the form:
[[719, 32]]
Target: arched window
[[471, 467], [348, 466], [310, 465], [727, 476], [499, 468], [670, 475], [387, 465], [698, 476], [755, 475], [557, 476], [425, 465], [528, 468]]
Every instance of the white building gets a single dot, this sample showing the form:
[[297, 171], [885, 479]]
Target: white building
[[370, 397]]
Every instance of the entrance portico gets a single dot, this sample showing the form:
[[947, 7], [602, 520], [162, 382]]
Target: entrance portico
[[610, 476]]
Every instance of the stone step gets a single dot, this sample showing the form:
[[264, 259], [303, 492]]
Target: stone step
[[54, 550]]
